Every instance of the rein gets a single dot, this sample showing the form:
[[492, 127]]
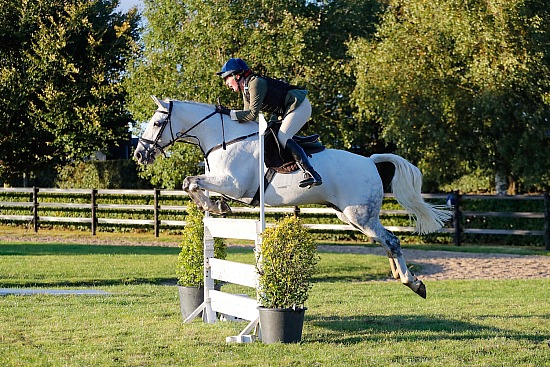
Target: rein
[[224, 144]]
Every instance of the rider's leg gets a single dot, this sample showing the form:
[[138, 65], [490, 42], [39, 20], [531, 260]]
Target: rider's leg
[[301, 158], [290, 126]]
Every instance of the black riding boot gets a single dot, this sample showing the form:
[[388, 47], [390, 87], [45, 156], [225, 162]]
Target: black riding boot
[[301, 158]]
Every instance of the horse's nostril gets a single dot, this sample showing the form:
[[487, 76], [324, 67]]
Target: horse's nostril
[[137, 155]]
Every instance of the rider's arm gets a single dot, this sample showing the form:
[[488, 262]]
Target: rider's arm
[[257, 88]]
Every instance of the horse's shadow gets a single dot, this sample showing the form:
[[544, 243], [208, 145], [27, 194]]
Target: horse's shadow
[[407, 328]]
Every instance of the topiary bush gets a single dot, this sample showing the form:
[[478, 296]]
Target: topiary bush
[[190, 266], [288, 258]]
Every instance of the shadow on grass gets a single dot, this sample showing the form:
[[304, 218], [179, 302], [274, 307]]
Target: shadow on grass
[[358, 329], [365, 276], [76, 249]]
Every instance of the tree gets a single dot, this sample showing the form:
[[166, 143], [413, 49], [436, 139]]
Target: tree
[[331, 76], [61, 95], [461, 86], [187, 42]]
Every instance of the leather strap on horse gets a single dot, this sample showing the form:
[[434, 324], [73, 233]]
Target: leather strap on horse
[[236, 140], [269, 175]]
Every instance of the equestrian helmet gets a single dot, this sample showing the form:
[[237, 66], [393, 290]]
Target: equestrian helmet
[[233, 66]]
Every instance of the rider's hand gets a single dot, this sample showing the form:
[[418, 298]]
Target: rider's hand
[[223, 109]]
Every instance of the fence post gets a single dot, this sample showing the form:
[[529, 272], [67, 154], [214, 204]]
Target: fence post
[[547, 220], [456, 217], [156, 212], [296, 211], [94, 211], [35, 208]]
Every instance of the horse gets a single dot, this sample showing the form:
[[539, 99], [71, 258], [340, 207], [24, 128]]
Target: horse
[[351, 183]]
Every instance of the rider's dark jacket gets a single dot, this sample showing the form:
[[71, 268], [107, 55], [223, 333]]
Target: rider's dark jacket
[[265, 94]]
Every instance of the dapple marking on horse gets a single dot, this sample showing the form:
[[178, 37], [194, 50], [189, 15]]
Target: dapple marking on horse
[[351, 183]]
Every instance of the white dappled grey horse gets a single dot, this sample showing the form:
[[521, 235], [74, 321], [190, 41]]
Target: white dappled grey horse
[[351, 183]]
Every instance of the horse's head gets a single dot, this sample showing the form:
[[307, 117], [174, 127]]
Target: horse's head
[[196, 123], [157, 135]]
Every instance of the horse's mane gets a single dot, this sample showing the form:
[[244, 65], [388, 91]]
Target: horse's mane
[[190, 102]]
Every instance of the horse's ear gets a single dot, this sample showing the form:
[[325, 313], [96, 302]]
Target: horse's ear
[[157, 101], [162, 105]]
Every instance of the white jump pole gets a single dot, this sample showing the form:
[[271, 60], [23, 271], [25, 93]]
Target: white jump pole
[[261, 163]]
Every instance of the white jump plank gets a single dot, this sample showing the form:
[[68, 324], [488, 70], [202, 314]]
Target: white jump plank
[[239, 306], [233, 272], [242, 229]]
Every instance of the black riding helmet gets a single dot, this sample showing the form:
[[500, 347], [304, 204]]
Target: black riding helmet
[[233, 66]]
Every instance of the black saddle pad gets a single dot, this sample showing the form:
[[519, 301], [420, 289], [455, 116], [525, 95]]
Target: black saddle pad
[[278, 158]]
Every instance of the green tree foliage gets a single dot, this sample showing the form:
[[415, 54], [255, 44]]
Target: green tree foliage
[[168, 172], [186, 43], [331, 76], [109, 174], [461, 86], [61, 96]]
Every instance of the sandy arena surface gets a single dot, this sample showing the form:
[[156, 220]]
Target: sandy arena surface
[[436, 265], [440, 265]]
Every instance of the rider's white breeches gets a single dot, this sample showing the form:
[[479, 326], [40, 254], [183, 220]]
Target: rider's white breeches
[[294, 121]]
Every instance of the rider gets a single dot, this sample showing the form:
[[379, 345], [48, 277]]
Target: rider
[[261, 93]]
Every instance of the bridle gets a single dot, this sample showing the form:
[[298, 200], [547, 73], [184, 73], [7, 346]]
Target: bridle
[[180, 136], [155, 146]]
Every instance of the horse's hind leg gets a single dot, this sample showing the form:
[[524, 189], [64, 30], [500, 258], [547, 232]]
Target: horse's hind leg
[[398, 264], [393, 268], [371, 226]]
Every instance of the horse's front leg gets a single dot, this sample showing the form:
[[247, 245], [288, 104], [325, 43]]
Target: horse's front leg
[[193, 185]]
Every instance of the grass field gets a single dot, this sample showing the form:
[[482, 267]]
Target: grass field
[[355, 317]]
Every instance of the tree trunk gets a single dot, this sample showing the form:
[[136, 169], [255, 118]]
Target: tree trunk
[[512, 186], [501, 186]]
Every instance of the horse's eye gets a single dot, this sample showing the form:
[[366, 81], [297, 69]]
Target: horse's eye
[[158, 123]]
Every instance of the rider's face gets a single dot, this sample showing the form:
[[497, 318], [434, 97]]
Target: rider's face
[[232, 83]]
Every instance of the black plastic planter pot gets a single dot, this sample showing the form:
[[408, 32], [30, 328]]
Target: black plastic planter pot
[[190, 299], [281, 324]]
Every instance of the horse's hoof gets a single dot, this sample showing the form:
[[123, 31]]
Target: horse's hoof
[[417, 287], [421, 291], [223, 207]]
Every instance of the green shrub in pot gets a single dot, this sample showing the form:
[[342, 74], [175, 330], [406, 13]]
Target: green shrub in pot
[[190, 265], [288, 259]]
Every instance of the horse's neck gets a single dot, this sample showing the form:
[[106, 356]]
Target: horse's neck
[[209, 132]]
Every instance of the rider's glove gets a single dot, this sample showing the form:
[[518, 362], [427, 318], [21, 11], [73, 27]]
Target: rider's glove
[[223, 109]]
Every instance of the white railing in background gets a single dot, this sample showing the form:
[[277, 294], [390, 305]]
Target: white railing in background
[[34, 205]]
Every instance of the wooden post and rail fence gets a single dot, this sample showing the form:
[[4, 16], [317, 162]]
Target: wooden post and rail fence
[[35, 205]]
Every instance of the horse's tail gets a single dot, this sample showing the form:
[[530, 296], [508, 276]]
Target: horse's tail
[[407, 186]]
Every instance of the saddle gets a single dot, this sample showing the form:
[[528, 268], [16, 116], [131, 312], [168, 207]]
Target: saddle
[[278, 159]]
